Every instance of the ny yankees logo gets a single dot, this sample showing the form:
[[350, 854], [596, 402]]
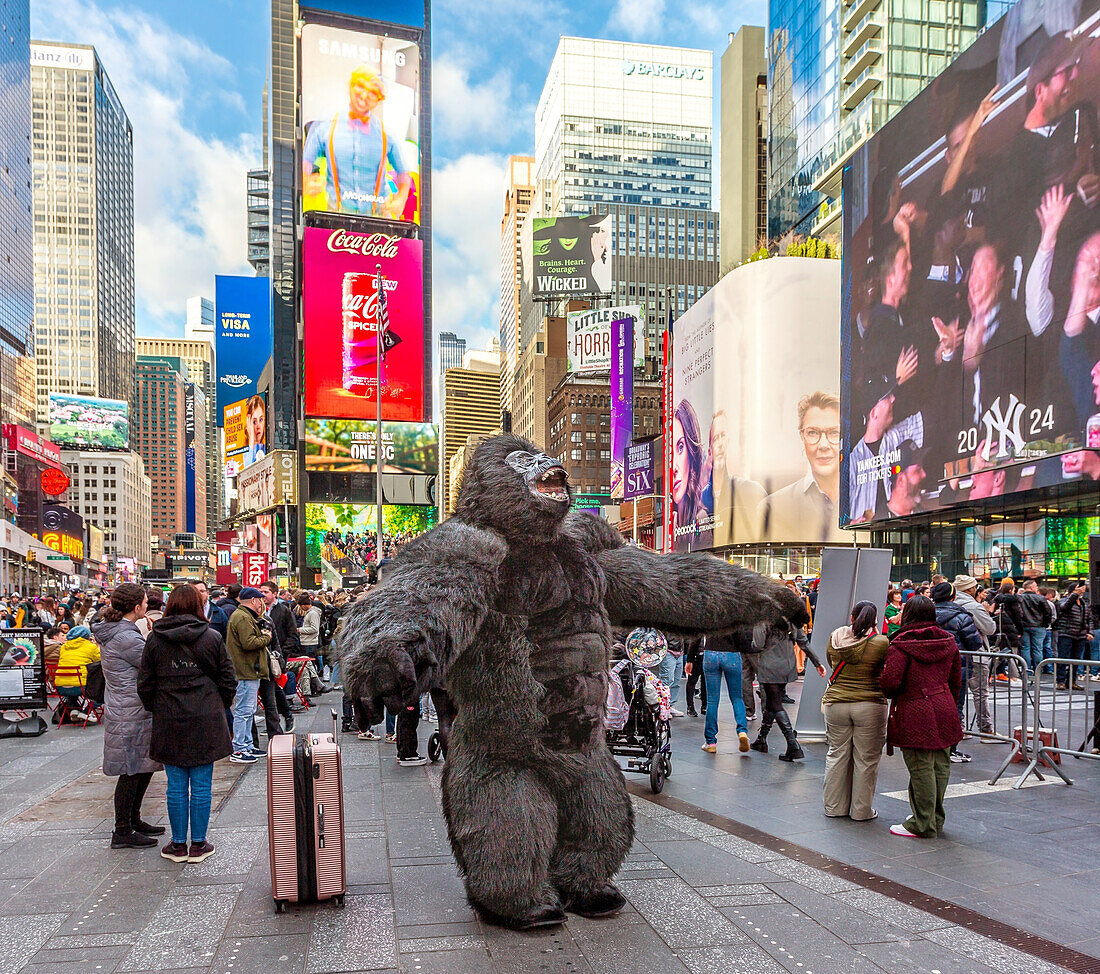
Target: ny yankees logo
[[1006, 425]]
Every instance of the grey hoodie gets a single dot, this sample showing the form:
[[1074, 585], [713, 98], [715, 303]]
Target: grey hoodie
[[983, 621]]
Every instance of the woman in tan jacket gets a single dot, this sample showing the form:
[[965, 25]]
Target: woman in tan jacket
[[855, 715]]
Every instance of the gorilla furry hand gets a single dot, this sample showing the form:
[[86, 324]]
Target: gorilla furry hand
[[509, 605]]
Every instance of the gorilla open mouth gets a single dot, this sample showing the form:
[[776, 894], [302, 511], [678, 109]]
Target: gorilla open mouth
[[553, 484]]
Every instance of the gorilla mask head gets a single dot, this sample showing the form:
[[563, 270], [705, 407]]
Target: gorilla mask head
[[511, 486]]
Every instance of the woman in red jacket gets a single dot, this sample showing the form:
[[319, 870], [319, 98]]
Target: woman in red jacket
[[923, 675]]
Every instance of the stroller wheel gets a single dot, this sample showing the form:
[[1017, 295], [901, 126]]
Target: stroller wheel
[[656, 773], [667, 758], [435, 747]]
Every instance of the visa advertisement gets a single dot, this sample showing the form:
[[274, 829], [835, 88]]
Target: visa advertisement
[[360, 124], [86, 423], [242, 336], [340, 311], [972, 244]]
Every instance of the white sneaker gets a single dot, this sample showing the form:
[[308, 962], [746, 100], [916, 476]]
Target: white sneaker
[[675, 712], [1094, 679], [903, 832], [368, 735], [415, 761], [93, 719]]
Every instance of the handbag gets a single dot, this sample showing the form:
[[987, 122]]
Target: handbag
[[95, 685], [275, 664]]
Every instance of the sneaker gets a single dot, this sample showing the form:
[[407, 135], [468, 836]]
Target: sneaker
[[1061, 686], [710, 748], [131, 840], [288, 720], [415, 761], [958, 757], [903, 832], [1078, 685], [1002, 678], [743, 742], [200, 851], [242, 757], [1095, 679], [787, 698], [146, 829], [259, 752], [368, 735], [391, 738], [675, 712], [174, 851], [77, 715]]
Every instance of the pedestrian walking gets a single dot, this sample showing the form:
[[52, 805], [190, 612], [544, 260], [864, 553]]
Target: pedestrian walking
[[855, 715], [976, 675], [247, 646], [186, 681], [953, 618], [1074, 630], [922, 676], [127, 726], [693, 667], [775, 668], [722, 662]]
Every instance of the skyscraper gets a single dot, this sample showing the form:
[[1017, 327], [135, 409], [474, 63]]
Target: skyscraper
[[744, 159], [838, 71], [258, 204], [159, 437], [200, 320], [624, 123], [451, 350], [519, 191], [197, 359], [16, 219], [470, 407], [83, 227]]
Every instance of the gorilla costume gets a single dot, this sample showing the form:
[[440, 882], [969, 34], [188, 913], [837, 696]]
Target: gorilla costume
[[509, 605]]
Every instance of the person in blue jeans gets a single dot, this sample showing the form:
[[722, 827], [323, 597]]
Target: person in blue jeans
[[722, 662], [186, 680]]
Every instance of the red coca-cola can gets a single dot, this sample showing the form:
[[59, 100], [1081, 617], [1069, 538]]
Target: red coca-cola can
[[359, 304]]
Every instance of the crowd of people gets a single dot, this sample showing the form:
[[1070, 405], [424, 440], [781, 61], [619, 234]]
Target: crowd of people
[[359, 550]]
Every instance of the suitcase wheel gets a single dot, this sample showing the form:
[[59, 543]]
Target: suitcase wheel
[[280, 906], [339, 900], [435, 747]]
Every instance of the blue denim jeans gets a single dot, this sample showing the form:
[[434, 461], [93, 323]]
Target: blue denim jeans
[[244, 709], [716, 668], [1031, 646], [1070, 648], [669, 673], [189, 791]]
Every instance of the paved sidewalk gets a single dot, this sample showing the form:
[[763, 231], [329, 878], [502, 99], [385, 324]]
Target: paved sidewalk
[[702, 899]]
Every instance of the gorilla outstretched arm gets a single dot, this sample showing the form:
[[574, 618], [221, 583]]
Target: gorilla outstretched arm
[[432, 602], [683, 593]]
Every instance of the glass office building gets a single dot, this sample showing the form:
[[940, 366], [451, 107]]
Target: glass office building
[[837, 71], [624, 123]]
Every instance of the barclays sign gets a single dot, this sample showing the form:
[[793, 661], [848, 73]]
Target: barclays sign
[[653, 70]]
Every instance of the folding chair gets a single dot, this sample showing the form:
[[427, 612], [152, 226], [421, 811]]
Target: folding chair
[[302, 698], [65, 701]]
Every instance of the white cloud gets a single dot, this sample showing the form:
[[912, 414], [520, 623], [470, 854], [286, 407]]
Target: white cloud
[[189, 186], [468, 203], [481, 110], [638, 18]]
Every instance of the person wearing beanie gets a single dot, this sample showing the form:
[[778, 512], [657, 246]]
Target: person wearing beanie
[[953, 618], [977, 680], [246, 640]]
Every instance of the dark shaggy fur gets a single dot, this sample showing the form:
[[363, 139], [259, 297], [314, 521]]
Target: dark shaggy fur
[[509, 604]]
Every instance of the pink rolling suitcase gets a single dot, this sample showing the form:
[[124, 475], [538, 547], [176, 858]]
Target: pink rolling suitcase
[[305, 818]]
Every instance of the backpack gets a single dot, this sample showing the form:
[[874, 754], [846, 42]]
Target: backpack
[[329, 619]]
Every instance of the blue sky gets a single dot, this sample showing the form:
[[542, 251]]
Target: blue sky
[[191, 75]]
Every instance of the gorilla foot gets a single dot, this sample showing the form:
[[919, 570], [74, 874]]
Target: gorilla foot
[[540, 915], [603, 901]]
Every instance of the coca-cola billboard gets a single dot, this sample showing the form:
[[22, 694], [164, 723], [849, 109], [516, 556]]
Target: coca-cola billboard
[[340, 311]]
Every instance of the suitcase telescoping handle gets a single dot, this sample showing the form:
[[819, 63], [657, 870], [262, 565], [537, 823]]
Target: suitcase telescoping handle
[[335, 726]]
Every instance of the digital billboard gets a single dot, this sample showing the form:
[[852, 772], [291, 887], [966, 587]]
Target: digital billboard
[[343, 534], [567, 255], [588, 337], [340, 313], [360, 124], [1006, 549], [63, 530], [242, 336], [86, 423], [755, 424], [350, 446], [245, 425], [972, 248]]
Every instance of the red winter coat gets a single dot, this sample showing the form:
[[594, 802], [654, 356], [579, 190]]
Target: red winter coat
[[923, 676]]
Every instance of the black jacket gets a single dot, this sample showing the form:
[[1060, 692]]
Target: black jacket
[[1074, 617], [187, 681], [286, 630], [953, 618], [1010, 619], [1037, 612]]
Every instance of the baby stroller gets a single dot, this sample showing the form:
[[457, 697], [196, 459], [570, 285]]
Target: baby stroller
[[638, 724], [445, 711]]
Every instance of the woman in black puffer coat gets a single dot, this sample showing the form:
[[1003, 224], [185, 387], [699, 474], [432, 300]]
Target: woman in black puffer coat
[[187, 681]]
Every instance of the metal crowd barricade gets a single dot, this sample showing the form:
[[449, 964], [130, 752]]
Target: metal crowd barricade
[[1066, 713], [1004, 702]]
